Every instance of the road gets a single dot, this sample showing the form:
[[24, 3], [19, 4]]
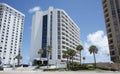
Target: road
[[56, 72]]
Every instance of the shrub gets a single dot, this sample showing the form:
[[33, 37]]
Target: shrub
[[37, 67], [74, 64], [90, 67], [18, 65], [1, 68], [107, 69], [75, 68], [58, 69]]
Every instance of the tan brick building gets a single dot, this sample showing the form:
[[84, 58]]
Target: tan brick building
[[111, 9]]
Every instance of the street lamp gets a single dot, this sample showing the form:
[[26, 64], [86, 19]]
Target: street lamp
[[84, 60]]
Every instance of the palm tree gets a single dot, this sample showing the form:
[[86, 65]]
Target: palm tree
[[79, 48], [93, 49], [18, 57], [65, 55], [40, 51], [49, 50], [71, 53]]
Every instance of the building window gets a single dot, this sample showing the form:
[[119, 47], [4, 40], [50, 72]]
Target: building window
[[59, 56], [3, 57], [44, 35], [0, 47], [58, 13], [110, 41], [51, 27], [109, 30], [113, 52]]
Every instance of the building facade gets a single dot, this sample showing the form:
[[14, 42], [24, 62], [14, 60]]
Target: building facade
[[111, 10], [11, 31], [55, 28]]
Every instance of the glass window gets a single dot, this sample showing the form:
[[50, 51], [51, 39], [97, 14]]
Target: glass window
[[44, 35]]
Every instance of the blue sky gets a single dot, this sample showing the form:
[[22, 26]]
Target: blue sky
[[87, 14]]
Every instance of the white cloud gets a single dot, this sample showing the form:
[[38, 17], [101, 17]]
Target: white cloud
[[98, 39], [34, 9]]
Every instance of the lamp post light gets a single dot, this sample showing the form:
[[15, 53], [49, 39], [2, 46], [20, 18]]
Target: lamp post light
[[84, 60]]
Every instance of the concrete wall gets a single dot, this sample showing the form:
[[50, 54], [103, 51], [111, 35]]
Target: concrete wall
[[109, 65]]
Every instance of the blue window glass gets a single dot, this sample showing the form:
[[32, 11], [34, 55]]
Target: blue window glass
[[44, 35]]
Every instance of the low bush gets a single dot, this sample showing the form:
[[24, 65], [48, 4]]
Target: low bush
[[1, 68], [90, 67], [57, 69], [74, 64], [75, 68], [18, 65], [37, 67], [110, 69]]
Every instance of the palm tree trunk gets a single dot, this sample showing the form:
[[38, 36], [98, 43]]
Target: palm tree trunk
[[47, 59], [94, 60], [18, 62], [40, 60], [72, 59], [67, 62], [80, 58], [40, 57]]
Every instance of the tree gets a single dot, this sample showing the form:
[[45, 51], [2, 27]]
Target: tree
[[40, 51], [65, 55], [49, 50], [79, 48], [71, 53], [18, 57], [93, 49]]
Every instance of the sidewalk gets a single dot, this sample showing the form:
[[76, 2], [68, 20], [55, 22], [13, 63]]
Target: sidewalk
[[57, 72], [29, 70]]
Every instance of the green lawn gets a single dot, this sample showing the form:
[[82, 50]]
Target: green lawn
[[93, 70]]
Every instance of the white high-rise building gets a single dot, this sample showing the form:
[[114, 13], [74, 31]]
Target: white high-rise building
[[55, 28], [11, 31]]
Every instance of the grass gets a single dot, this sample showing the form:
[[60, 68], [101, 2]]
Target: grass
[[97, 70]]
